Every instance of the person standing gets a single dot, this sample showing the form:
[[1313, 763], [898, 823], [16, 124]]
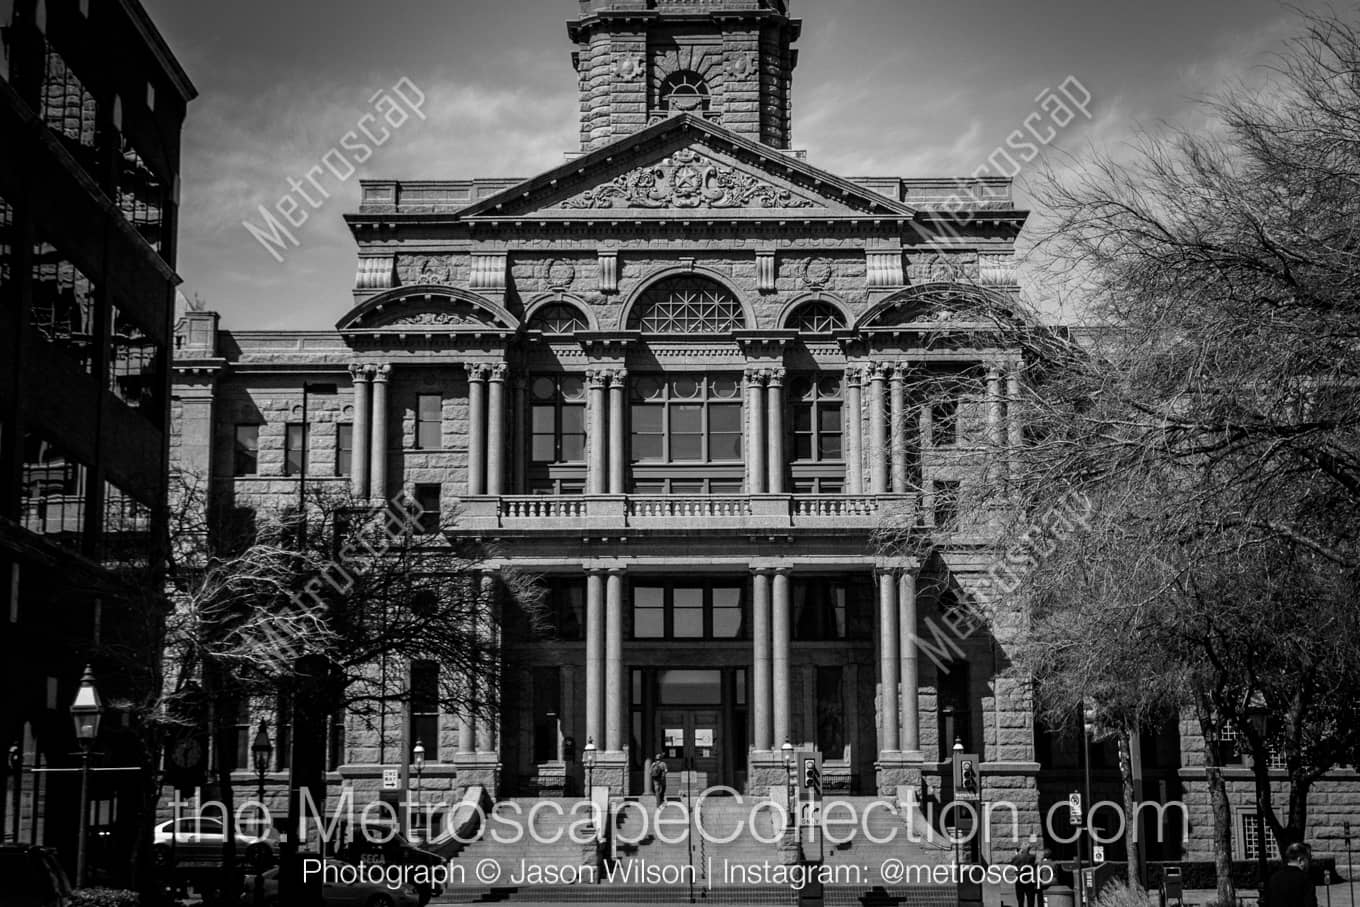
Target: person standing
[[1026, 864], [1292, 886], [659, 778]]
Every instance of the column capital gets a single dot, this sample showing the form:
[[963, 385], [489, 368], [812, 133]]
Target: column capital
[[900, 372], [761, 571], [776, 376], [499, 371], [782, 571], [854, 374], [359, 371], [597, 377], [478, 371], [618, 377], [381, 371], [876, 371], [756, 376]]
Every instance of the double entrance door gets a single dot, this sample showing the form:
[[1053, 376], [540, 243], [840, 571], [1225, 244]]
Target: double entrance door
[[691, 743]]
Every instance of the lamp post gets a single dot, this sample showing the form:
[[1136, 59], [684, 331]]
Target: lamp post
[[262, 752], [787, 751], [418, 760], [16, 770], [1259, 716], [85, 714], [958, 856], [588, 760]]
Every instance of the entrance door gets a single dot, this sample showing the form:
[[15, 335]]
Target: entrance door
[[691, 741]]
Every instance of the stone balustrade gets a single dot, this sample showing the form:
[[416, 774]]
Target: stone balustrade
[[678, 512]]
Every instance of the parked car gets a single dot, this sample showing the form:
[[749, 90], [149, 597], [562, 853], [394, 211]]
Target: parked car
[[31, 877], [396, 850], [198, 840], [334, 893]]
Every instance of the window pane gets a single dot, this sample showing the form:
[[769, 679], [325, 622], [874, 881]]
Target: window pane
[[829, 418], [802, 447], [727, 613], [689, 613], [544, 449], [802, 418], [724, 487], [647, 419], [649, 612], [344, 452], [687, 447], [430, 407], [694, 486], [724, 419], [725, 447], [689, 687], [429, 436], [647, 436], [544, 419], [247, 450], [687, 419], [573, 448], [292, 451], [573, 420]]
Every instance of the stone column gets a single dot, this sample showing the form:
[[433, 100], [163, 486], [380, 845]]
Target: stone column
[[618, 399], [996, 431], [878, 432], [495, 432], [477, 379], [910, 675], [888, 641], [378, 452], [362, 429], [775, 450], [755, 430], [1016, 427], [596, 477], [486, 634], [780, 631], [897, 430], [519, 440], [854, 431], [762, 733], [595, 632], [614, 705]]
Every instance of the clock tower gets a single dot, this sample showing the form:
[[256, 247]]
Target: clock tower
[[730, 61]]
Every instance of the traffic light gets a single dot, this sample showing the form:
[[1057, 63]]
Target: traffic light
[[968, 777], [1088, 717], [812, 777]]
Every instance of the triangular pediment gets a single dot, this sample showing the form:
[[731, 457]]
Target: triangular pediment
[[686, 167]]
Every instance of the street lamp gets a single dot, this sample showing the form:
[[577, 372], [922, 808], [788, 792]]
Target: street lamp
[[588, 759], [16, 770], [418, 760], [787, 751], [85, 714], [1259, 717], [262, 751], [958, 854]]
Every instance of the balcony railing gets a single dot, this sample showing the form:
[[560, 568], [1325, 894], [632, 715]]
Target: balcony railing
[[683, 512]]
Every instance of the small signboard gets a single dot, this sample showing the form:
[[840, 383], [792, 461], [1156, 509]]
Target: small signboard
[[391, 779], [1074, 807], [1098, 853]]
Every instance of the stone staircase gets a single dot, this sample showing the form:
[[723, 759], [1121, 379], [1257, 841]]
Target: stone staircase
[[649, 864]]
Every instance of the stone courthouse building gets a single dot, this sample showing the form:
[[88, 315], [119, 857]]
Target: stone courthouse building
[[683, 376]]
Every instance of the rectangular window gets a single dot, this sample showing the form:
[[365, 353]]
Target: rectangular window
[[134, 366], [292, 449], [63, 308], [946, 505], [944, 423], [424, 707], [649, 612], [243, 738], [52, 493], [689, 610], [427, 497], [557, 434], [547, 695], [429, 422], [283, 740], [141, 196], [344, 449], [827, 609], [567, 599], [246, 459], [1251, 836]]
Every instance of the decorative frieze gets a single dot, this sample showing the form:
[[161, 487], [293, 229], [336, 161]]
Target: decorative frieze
[[688, 179], [998, 270], [425, 270]]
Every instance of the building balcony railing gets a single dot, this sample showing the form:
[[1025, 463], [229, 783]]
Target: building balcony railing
[[683, 512]]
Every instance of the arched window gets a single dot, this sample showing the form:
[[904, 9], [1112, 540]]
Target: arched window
[[684, 92], [559, 318], [816, 318], [687, 305]]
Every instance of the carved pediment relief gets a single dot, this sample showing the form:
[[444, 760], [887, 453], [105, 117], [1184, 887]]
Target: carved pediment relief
[[688, 179], [428, 309]]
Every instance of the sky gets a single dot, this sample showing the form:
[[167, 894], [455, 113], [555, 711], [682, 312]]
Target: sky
[[912, 88]]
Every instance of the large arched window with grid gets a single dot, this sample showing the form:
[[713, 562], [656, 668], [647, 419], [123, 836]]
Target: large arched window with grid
[[687, 305], [559, 318]]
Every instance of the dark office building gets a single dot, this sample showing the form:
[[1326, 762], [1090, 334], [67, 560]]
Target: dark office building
[[91, 107]]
